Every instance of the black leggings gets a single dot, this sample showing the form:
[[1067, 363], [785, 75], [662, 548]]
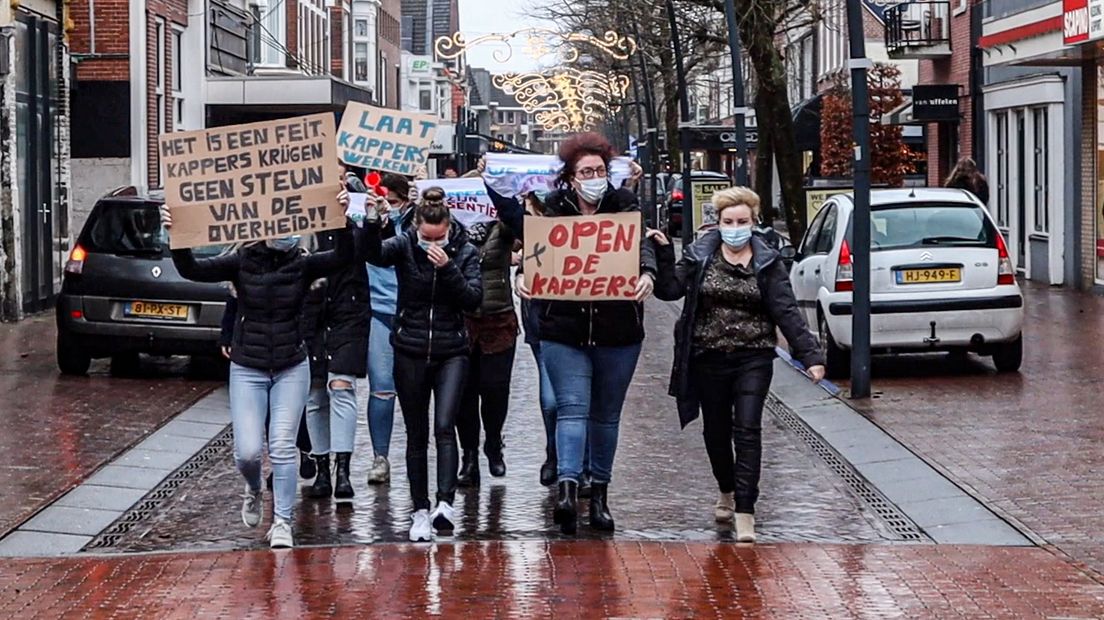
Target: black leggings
[[732, 388], [415, 381], [487, 395]]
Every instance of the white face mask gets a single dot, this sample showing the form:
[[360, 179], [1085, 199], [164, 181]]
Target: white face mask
[[593, 190], [283, 244]]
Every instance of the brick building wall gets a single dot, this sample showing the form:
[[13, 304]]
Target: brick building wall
[[112, 39], [952, 70], [172, 12], [1089, 175], [337, 40], [390, 44]]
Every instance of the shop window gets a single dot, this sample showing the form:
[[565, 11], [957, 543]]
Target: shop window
[[360, 60], [1042, 180], [1002, 170]]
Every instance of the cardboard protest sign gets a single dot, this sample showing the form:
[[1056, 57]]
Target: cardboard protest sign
[[589, 258], [467, 198], [516, 175], [252, 182], [385, 140]]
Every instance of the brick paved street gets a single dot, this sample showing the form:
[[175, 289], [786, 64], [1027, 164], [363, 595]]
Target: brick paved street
[[58, 430], [1029, 444]]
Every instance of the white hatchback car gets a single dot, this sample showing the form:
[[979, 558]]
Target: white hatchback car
[[941, 278]]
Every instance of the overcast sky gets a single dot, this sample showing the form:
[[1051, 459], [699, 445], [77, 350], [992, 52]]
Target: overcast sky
[[480, 17]]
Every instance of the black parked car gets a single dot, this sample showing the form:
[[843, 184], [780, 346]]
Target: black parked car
[[121, 295], [672, 203]]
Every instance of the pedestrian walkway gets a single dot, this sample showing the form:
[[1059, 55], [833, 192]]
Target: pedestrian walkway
[[59, 430], [536, 579]]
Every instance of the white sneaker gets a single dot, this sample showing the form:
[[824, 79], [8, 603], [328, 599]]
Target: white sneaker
[[251, 507], [380, 472], [745, 527], [444, 518], [279, 535], [725, 509], [420, 530]]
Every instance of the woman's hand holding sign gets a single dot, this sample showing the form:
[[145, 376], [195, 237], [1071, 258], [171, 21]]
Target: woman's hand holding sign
[[166, 217]]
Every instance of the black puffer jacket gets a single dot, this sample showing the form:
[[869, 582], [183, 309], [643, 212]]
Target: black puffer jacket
[[598, 323], [685, 280], [495, 244], [432, 301], [337, 317], [271, 289]]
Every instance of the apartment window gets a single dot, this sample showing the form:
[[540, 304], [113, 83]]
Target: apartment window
[[1042, 207], [362, 28], [425, 100], [160, 68], [178, 79], [511, 118], [360, 60], [382, 95], [1002, 169], [270, 33]]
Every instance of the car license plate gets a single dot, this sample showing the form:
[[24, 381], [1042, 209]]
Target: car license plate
[[927, 276], [151, 310]]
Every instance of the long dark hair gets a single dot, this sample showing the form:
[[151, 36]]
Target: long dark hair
[[965, 175]]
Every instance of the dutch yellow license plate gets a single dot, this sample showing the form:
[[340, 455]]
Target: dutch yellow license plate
[[928, 276], [151, 310]]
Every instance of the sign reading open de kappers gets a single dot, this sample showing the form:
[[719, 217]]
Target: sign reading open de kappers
[[587, 258], [252, 182], [385, 140]]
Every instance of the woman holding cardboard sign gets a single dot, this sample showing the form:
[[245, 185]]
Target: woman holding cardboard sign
[[738, 294], [439, 280], [269, 368], [590, 349]]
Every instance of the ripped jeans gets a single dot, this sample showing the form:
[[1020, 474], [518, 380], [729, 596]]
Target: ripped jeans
[[381, 383], [332, 416]]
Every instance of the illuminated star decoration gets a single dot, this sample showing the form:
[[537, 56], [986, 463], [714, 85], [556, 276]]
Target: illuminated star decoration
[[537, 43], [568, 100]]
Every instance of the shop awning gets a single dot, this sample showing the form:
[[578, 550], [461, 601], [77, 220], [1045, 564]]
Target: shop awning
[[806, 117]]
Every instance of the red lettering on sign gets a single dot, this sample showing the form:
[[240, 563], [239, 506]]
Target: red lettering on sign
[[631, 291], [599, 288], [1075, 21], [559, 236], [625, 237], [605, 237], [591, 266], [537, 288], [581, 231], [615, 284], [568, 286], [572, 265]]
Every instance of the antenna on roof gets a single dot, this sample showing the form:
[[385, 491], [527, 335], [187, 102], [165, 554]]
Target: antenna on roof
[[912, 193]]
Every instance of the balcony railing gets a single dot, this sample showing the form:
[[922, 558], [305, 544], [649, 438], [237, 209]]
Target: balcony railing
[[920, 29]]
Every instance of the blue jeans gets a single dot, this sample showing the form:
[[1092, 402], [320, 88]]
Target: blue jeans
[[381, 383], [280, 395], [332, 416], [590, 385], [547, 403]]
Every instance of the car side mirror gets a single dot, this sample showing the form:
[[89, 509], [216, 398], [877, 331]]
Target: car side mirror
[[789, 253]]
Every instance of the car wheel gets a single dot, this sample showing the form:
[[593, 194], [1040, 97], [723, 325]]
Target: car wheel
[[71, 358], [125, 365], [1009, 356], [838, 359]]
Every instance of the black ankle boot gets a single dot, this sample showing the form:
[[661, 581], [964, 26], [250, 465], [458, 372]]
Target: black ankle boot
[[600, 517], [548, 473], [496, 464], [566, 513], [322, 488], [307, 470], [343, 489], [469, 471]]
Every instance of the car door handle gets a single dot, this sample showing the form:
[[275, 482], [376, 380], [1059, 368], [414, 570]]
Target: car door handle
[[801, 273], [817, 272]]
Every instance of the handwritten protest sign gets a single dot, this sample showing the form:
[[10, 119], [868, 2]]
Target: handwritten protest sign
[[590, 258], [467, 198], [386, 140], [516, 175], [252, 182]]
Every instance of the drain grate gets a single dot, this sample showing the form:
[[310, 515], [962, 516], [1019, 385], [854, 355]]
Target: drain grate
[[217, 448], [895, 521]]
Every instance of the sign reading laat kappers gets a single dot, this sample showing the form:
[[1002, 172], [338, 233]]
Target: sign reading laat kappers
[[591, 258], [252, 182], [385, 140]]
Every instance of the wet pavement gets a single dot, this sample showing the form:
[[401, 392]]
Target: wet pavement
[[59, 430], [596, 579], [1029, 445], [662, 489]]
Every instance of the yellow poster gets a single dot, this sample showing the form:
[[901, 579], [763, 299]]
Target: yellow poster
[[815, 198], [702, 192]]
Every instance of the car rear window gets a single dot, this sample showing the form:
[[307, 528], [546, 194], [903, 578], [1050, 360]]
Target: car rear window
[[132, 228], [913, 225]]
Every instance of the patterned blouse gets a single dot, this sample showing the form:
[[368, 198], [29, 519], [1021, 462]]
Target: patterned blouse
[[731, 315]]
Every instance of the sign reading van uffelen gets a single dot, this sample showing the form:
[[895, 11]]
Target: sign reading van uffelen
[[1082, 20]]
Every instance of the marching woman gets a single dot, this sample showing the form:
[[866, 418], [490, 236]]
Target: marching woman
[[438, 281], [737, 292], [269, 369], [590, 349]]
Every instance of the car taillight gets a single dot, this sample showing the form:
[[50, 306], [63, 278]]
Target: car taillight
[[77, 314], [76, 261], [676, 195], [845, 270], [1005, 273]]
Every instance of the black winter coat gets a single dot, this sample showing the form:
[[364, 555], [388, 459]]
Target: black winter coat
[[432, 301], [495, 244], [337, 316], [597, 323], [272, 287], [685, 280]]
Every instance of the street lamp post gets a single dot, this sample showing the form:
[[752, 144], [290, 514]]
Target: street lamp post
[[653, 125], [739, 108], [684, 129], [860, 103]]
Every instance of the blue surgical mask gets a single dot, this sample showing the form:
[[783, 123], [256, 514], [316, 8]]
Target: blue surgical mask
[[593, 190], [736, 238], [283, 244], [424, 244]]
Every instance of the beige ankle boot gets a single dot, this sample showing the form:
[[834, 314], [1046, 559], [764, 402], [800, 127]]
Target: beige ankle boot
[[745, 527], [725, 508]]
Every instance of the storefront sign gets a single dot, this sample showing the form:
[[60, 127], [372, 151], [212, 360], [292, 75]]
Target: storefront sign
[[703, 190], [443, 141], [935, 102], [583, 258], [467, 198], [1082, 20], [419, 66], [385, 140], [251, 182]]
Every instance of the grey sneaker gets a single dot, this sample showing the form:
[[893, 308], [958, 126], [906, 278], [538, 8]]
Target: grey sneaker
[[279, 535], [444, 519], [380, 472], [420, 528], [251, 507], [745, 527], [725, 509]]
